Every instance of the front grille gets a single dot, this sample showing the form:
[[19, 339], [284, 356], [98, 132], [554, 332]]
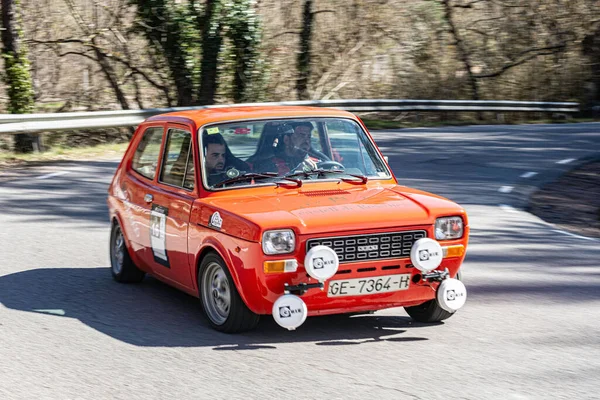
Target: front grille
[[377, 246]]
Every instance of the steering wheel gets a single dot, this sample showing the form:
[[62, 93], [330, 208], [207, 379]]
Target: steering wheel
[[317, 154], [331, 165], [227, 173]]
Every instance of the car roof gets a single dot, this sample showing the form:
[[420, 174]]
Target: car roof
[[223, 114]]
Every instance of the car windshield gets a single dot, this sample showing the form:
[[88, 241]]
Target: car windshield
[[273, 152]]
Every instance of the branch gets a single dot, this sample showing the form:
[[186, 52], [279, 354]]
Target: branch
[[322, 11], [542, 49], [76, 53], [387, 34], [294, 32], [541, 52], [76, 16], [508, 5], [486, 20], [478, 31], [91, 46], [59, 41], [135, 70], [298, 31], [468, 5]]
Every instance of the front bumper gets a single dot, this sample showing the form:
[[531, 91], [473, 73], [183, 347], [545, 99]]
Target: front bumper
[[271, 286]]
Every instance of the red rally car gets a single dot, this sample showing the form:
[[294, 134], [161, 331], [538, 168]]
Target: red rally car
[[288, 211]]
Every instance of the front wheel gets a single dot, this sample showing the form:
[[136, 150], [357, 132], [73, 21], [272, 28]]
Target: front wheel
[[221, 302], [430, 311]]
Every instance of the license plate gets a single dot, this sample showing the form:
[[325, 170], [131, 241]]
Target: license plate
[[372, 285]]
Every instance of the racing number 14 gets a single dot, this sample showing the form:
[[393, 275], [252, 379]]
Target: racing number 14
[[158, 237]]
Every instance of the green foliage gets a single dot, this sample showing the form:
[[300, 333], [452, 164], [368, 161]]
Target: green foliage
[[171, 30], [16, 73], [244, 31], [19, 86], [176, 32]]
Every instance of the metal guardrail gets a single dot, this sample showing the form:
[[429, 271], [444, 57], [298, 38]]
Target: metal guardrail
[[21, 123]]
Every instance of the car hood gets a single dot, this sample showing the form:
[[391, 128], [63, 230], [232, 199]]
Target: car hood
[[324, 210]]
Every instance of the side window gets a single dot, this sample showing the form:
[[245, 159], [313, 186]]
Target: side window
[[178, 160], [145, 158]]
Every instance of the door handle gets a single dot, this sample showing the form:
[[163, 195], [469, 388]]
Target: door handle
[[148, 198]]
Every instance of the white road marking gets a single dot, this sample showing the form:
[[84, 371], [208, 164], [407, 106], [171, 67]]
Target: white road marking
[[51, 311], [566, 161], [52, 175], [529, 174], [507, 208], [574, 235], [505, 189]]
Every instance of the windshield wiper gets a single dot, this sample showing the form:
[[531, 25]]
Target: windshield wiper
[[361, 179], [322, 172], [254, 175]]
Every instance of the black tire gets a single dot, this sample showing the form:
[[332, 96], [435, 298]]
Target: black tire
[[222, 305], [430, 311], [122, 267]]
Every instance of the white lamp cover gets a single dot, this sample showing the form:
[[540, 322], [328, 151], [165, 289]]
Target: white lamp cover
[[289, 311], [426, 254], [451, 294], [321, 263]]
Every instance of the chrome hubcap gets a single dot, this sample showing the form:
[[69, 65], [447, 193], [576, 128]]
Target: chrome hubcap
[[118, 253], [216, 294]]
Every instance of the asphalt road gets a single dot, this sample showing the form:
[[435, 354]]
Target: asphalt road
[[530, 328]]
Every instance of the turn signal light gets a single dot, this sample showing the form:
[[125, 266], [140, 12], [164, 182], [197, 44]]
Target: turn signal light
[[453, 251], [279, 266]]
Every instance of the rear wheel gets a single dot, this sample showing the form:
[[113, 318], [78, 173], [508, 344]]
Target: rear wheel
[[221, 302], [121, 265], [430, 311]]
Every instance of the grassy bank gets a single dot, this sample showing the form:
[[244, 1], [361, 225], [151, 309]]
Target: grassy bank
[[111, 150]]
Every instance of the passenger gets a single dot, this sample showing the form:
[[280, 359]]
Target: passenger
[[292, 152]]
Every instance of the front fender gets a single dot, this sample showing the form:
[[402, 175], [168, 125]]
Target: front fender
[[241, 258]]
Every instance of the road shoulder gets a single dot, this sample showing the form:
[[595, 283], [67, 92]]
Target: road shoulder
[[571, 202]]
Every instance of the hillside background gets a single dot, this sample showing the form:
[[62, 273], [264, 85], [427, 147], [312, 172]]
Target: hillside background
[[127, 54]]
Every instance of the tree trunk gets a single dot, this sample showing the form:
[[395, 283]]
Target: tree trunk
[[303, 60], [591, 49], [110, 75], [17, 76], [461, 49], [243, 31], [211, 45], [165, 33]]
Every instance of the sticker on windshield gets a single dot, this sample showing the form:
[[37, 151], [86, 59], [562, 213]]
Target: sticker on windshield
[[212, 131], [158, 234], [240, 130]]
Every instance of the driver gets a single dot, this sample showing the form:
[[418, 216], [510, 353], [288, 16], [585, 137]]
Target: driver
[[293, 152], [214, 158], [219, 161]]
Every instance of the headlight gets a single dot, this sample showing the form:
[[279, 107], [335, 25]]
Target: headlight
[[448, 228], [278, 242]]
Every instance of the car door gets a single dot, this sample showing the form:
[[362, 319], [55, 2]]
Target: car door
[[135, 183], [170, 203]]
